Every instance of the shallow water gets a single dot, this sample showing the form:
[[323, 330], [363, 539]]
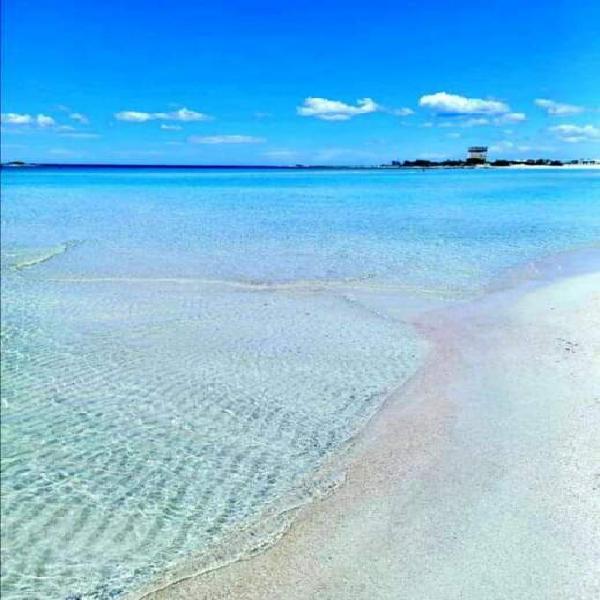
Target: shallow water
[[183, 349]]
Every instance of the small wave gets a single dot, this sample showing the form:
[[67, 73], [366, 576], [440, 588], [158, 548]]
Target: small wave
[[44, 255], [261, 534]]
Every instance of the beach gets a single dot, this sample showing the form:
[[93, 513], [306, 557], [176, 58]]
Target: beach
[[300, 383], [590, 165], [299, 301], [477, 479]]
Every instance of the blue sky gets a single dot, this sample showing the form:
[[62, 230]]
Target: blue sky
[[274, 82]]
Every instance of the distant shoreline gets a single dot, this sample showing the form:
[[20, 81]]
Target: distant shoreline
[[420, 167], [160, 166]]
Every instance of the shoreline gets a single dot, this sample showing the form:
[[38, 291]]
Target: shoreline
[[101, 166], [384, 532]]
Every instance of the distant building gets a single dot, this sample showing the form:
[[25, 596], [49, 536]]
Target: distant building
[[478, 153]]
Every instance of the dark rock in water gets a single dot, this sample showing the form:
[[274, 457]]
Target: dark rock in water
[[74, 597]]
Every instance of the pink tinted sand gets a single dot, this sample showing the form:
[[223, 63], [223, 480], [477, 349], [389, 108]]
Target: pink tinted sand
[[477, 480]]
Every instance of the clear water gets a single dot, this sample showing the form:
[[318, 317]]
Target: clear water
[[181, 350]]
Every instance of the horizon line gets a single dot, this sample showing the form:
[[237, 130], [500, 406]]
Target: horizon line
[[23, 164], [102, 165]]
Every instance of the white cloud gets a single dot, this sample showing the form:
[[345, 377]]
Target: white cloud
[[134, 116], [225, 139], [40, 119], [511, 117], [335, 110], [79, 117], [44, 121], [170, 127], [576, 133], [16, 119], [182, 114], [558, 108], [402, 112], [452, 104]]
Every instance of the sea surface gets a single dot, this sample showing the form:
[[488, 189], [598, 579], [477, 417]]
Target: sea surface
[[183, 350]]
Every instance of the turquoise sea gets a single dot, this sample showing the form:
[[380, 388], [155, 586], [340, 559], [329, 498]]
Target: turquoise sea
[[182, 349]]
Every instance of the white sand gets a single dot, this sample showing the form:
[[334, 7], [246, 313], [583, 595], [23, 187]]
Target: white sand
[[478, 481], [564, 166]]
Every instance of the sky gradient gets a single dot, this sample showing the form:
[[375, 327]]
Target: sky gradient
[[266, 82]]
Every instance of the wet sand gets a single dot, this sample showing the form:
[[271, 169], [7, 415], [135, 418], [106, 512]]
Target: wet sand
[[478, 479]]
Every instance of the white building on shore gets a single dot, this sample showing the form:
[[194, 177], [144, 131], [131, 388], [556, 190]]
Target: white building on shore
[[478, 153]]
